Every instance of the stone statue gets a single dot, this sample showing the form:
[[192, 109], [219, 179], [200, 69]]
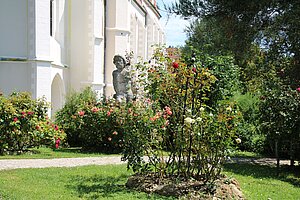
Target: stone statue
[[122, 80]]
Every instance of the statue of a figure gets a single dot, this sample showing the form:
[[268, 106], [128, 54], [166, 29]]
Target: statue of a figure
[[122, 80]]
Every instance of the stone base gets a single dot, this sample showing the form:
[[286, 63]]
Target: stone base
[[222, 188]]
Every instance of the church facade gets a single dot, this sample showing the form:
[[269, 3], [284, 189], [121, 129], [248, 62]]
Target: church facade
[[49, 47]]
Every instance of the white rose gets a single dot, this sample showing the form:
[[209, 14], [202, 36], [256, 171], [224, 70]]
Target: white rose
[[189, 120], [229, 109], [199, 119]]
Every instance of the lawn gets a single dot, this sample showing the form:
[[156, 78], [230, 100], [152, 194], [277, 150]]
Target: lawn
[[261, 182], [107, 182], [90, 182], [48, 153]]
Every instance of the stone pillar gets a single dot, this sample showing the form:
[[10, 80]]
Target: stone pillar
[[39, 47]]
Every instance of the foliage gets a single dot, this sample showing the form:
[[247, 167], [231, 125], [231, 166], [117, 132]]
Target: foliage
[[279, 109], [75, 102], [262, 37], [102, 124], [197, 136], [24, 123], [248, 129], [227, 74], [270, 24]]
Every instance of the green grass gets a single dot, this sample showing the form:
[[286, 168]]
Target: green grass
[[107, 182], [90, 182], [245, 154], [261, 182], [48, 153]]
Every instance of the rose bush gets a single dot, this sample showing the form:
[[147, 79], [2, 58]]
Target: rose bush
[[102, 124], [24, 123], [199, 133]]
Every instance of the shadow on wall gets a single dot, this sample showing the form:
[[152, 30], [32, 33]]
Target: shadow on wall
[[57, 94]]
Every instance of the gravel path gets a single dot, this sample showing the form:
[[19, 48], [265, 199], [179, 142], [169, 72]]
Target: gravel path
[[58, 162], [73, 162]]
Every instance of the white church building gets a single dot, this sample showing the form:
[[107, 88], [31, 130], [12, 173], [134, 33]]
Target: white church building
[[49, 47]]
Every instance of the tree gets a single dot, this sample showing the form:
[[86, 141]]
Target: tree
[[273, 25]]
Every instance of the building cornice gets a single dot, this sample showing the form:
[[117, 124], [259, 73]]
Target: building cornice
[[118, 30], [153, 8], [138, 3]]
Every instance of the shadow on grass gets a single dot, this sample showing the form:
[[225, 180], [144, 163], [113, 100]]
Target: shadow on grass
[[98, 187], [74, 150], [67, 150], [266, 171]]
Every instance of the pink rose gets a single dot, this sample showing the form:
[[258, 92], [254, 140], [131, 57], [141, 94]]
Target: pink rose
[[95, 109], [81, 113]]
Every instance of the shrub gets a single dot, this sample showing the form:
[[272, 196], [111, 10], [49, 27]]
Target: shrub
[[102, 124], [66, 117], [198, 136], [24, 123], [248, 129], [279, 108]]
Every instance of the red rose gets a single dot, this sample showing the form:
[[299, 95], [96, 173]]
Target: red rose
[[194, 69], [175, 65], [29, 113], [95, 109], [15, 119]]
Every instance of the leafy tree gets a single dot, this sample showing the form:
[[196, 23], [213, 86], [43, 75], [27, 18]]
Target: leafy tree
[[236, 25]]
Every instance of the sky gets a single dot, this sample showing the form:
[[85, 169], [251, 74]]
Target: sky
[[173, 27]]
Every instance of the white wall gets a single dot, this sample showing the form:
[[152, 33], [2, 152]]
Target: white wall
[[42, 29], [79, 46], [13, 25], [87, 44], [78, 42], [15, 76], [59, 41]]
